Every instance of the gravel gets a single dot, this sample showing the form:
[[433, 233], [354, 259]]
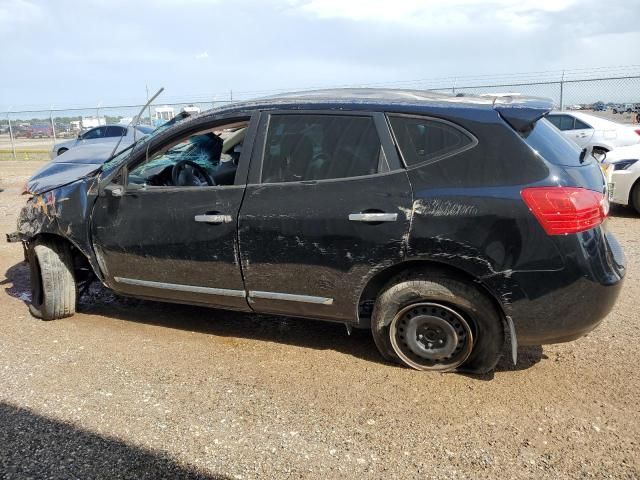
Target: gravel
[[135, 389]]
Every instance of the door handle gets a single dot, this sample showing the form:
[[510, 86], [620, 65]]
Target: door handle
[[373, 217], [213, 218]]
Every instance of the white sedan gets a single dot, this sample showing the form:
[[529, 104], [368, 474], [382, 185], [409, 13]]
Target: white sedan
[[103, 134], [595, 133], [622, 170]]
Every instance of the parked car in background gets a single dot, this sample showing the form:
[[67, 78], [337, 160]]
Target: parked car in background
[[622, 169], [41, 130], [625, 108], [21, 131], [438, 222], [592, 132], [110, 134]]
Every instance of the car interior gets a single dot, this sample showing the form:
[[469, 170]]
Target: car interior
[[206, 158]]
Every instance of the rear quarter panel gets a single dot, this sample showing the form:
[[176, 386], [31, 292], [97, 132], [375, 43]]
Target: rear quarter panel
[[468, 212]]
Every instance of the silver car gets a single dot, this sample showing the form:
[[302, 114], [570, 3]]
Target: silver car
[[107, 134]]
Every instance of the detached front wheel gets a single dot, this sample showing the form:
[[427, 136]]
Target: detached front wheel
[[438, 323], [53, 286]]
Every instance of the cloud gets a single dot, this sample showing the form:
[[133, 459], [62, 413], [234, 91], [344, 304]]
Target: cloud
[[435, 14], [71, 52], [15, 14]]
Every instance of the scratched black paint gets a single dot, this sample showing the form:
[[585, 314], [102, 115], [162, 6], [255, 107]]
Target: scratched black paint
[[464, 211]]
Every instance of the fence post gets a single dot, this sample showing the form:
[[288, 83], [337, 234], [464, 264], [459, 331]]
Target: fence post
[[13, 146], [53, 125], [562, 91]]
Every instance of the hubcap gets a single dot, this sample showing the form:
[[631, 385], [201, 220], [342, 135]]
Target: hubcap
[[430, 336]]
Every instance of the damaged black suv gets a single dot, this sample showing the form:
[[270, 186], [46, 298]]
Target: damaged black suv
[[446, 225]]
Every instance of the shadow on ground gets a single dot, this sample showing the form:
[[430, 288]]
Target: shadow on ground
[[623, 211], [33, 446], [304, 333]]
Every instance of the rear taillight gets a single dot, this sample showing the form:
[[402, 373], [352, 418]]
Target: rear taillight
[[564, 210], [637, 130]]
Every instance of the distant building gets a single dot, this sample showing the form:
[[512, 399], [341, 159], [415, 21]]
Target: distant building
[[92, 122], [163, 114]]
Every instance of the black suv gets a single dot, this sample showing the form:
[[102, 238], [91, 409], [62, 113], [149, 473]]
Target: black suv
[[447, 225]]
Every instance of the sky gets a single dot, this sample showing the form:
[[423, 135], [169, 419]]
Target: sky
[[67, 53]]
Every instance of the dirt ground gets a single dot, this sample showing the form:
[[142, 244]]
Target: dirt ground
[[133, 389]]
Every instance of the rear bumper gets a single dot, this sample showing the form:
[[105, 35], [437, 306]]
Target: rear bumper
[[621, 182], [560, 306]]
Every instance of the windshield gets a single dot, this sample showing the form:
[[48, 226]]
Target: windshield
[[117, 159], [149, 133]]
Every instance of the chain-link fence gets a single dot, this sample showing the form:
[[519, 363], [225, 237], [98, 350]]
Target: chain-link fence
[[38, 135], [33, 135]]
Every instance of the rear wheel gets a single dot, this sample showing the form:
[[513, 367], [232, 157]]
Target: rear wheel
[[437, 323], [53, 286]]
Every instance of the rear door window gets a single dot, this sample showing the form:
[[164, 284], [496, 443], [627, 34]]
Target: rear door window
[[563, 122], [421, 139], [580, 125], [94, 133], [304, 147], [115, 131], [553, 146]]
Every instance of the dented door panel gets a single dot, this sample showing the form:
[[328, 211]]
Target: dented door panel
[[297, 239]]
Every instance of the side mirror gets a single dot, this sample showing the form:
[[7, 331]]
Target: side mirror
[[115, 191], [80, 136]]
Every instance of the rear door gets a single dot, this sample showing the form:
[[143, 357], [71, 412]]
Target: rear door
[[582, 132], [327, 204], [573, 128]]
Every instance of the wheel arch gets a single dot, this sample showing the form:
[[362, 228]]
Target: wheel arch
[[636, 184], [601, 146], [80, 258], [376, 283]]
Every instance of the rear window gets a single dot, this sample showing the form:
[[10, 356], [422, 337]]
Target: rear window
[[552, 145], [421, 139]]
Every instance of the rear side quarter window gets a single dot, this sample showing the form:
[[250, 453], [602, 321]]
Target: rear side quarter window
[[551, 145], [425, 140]]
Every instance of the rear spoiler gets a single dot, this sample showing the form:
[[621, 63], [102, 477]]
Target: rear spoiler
[[522, 112]]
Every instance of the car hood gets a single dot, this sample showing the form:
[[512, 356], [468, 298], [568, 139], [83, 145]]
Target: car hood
[[69, 167]]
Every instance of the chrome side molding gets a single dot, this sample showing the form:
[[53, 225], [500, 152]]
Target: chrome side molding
[[290, 297], [224, 292], [373, 217], [206, 218]]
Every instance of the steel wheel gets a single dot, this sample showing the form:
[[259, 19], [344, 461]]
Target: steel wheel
[[430, 336]]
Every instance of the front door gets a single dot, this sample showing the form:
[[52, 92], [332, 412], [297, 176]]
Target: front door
[[170, 233], [329, 206]]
